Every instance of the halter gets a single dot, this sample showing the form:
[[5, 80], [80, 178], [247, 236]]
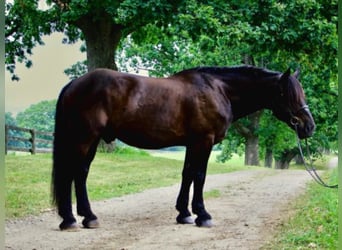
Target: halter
[[294, 120], [309, 168]]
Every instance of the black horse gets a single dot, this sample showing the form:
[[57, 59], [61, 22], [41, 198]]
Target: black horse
[[192, 108]]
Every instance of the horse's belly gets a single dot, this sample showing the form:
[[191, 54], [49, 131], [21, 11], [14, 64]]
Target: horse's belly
[[151, 139]]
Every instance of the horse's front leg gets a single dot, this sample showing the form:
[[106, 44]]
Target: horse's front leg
[[195, 167], [184, 216], [203, 217], [200, 161]]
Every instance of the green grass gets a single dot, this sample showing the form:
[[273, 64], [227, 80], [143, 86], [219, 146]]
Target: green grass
[[111, 175], [314, 226], [179, 155], [214, 193], [27, 184]]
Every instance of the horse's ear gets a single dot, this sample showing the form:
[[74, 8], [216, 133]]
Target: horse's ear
[[296, 73], [284, 81], [286, 75]]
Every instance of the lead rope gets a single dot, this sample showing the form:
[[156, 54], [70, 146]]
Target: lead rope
[[311, 169]]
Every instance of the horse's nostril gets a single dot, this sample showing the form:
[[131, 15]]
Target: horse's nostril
[[309, 128]]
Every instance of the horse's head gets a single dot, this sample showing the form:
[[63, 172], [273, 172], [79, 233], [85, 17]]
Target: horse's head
[[289, 105]]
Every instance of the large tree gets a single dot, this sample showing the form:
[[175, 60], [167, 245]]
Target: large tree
[[296, 34], [263, 33], [101, 24]]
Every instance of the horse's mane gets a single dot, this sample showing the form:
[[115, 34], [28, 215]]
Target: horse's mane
[[236, 71], [294, 91]]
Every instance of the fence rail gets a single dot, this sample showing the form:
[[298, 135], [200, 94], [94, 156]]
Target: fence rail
[[32, 143]]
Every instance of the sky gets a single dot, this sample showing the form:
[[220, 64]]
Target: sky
[[45, 79]]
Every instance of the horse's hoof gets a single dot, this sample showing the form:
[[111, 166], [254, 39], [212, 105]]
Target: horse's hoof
[[71, 227], [204, 223], [185, 220], [90, 223]]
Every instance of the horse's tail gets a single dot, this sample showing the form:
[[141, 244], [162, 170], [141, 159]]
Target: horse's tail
[[61, 175]]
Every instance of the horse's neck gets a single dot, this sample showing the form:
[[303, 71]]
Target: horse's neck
[[248, 96]]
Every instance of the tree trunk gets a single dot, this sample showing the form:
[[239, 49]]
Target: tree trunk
[[299, 160], [102, 37], [286, 158], [268, 158], [252, 139], [252, 151]]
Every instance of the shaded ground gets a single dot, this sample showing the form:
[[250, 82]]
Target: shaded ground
[[250, 205]]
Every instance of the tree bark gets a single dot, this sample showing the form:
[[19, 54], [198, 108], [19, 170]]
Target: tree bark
[[268, 158], [286, 158], [102, 37], [282, 164], [299, 160], [252, 151], [251, 137]]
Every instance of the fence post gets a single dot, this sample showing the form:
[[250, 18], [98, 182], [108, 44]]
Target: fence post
[[6, 137], [33, 141]]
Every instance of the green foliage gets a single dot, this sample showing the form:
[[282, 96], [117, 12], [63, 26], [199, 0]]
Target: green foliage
[[275, 135], [40, 116], [268, 34], [232, 144], [315, 223], [169, 36], [196, 37], [9, 119], [92, 20], [76, 70]]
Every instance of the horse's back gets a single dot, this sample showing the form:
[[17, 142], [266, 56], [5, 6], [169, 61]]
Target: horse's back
[[145, 111]]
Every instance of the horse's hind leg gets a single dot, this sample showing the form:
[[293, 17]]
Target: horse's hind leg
[[64, 204], [83, 204], [62, 178]]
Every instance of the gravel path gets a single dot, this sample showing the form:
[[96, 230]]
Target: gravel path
[[250, 205]]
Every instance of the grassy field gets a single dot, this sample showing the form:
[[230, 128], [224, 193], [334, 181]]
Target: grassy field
[[179, 155], [111, 175], [315, 224]]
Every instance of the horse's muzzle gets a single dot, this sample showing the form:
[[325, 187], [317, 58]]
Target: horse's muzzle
[[306, 131]]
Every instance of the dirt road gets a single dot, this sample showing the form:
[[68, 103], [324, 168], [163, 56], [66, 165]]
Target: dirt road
[[250, 205]]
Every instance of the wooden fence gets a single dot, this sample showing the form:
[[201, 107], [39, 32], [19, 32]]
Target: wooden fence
[[32, 140]]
